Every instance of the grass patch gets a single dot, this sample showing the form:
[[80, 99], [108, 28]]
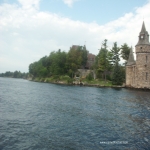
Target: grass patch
[[67, 80], [98, 82]]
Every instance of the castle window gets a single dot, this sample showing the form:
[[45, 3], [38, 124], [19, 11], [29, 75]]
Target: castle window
[[146, 59], [141, 47], [142, 36], [146, 75]]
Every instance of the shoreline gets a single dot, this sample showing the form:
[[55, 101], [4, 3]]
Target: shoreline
[[94, 85], [86, 85]]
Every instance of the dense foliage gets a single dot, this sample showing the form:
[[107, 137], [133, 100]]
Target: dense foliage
[[103, 65], [60, 64], [107, 63], [125, 50]]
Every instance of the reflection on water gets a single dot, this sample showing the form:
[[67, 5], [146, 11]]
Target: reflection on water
[[45, 116]]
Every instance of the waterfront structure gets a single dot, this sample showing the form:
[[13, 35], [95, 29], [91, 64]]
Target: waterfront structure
[[138, 72]]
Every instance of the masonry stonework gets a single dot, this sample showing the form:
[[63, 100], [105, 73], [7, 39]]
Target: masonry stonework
[[138, 72]]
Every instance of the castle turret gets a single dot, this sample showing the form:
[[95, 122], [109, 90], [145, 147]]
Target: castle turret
[[131, 60], [138, 72], [143, 59], [129, 69]]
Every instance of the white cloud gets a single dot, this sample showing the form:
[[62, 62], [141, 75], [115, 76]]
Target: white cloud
[[29, 3], [27, 34], [69, 2]]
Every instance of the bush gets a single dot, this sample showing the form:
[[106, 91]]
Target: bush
[[48, 80], [64, 78], [42, 79], [56, 77], [89, 77], [70, 81]]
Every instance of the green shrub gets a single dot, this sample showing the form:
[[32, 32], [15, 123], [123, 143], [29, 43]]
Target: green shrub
[[70, 81], [56, 77], [89, 77], [64, 78], [42, 79]]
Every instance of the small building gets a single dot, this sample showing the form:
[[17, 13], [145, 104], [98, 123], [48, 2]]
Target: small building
[[138, 72], [74, 47]]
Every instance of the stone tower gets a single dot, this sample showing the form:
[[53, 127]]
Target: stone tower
[[138, 72], [130, 69]]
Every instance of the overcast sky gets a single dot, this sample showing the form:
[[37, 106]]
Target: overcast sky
[[31, 29]]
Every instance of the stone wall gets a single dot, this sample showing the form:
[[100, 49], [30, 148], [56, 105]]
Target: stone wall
[[138, 76], [129, 70], [85, 72], [142, 76], [143, 66], [142, 48]]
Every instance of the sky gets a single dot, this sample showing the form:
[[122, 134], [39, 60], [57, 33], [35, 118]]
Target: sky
[[32, 29]]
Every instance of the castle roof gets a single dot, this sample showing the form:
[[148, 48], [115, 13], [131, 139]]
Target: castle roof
[[143, 36], [143, 30], [131, 60]]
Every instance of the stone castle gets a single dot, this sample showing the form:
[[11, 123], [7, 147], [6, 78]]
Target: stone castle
[[138, 72]]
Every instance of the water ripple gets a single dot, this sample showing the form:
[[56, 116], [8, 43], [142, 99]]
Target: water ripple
[[35, 116]]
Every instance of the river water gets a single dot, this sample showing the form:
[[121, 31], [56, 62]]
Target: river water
[[43, 116]]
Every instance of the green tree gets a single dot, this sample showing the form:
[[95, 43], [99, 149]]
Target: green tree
[[117, 76], [60, 63], [8, 74], [117, 73], [34, 68], [114, 54], [17, 74], [103, 64], [84, 56], [125, 50], [74, 60], [57, 61]]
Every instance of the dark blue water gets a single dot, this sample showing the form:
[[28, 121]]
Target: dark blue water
[[42, 116]]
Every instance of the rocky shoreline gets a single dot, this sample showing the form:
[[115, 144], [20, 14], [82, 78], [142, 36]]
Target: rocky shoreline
[[92, 85], [85, 84], [79, 84]]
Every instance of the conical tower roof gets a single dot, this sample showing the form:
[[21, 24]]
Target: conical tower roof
[[143, 36], [131, 60], [143, 30]]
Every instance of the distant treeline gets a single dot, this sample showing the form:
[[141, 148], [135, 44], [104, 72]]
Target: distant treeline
[[16, 74]]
